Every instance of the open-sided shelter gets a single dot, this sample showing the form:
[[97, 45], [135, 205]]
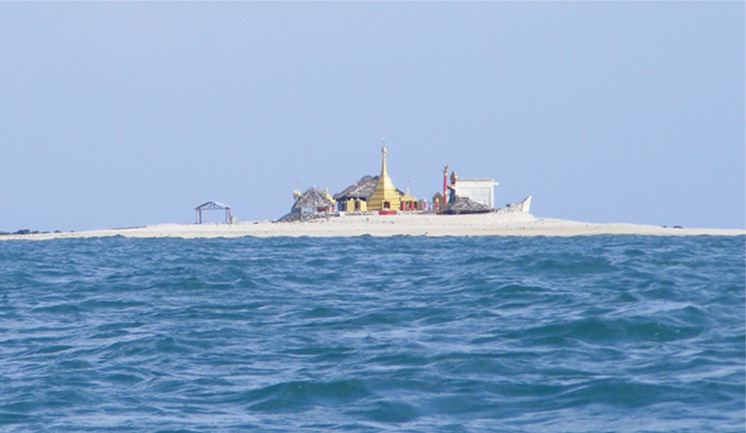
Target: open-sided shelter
[[212, 205]]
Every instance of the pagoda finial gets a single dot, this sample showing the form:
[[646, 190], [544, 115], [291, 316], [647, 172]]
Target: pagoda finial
[[383, 158]]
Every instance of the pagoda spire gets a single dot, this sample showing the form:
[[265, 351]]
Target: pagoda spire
[[383, 158], [385, 196]]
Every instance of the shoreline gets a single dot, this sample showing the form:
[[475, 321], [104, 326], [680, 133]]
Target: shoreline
[[491, 224]]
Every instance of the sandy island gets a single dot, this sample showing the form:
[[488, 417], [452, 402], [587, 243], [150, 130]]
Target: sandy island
[[491, 224]]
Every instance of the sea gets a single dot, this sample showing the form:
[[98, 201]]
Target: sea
[[594, 334]]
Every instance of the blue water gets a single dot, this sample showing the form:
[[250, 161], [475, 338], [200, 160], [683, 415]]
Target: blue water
[[404, 334]]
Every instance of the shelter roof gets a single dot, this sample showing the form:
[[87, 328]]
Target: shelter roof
[[483, 180], [313, 198], [362, 189], [408, 197], [212, 205]]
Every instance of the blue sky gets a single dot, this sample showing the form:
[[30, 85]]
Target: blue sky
[[124, 114]]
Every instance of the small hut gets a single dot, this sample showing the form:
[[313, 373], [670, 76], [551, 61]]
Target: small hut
[[409, 203], [212, 205], [313, 202], [354, 198]]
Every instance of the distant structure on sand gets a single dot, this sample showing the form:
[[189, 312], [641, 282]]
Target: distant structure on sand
[[480, 190], [213, 205], [464, 196], [312, 201], [378, 194]]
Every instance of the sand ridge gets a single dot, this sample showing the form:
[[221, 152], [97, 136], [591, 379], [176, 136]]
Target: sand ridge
[[414, 224]]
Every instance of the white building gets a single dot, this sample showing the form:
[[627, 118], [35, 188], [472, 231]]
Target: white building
[[480, 190]]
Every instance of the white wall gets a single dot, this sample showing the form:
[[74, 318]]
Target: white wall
[[480, 190]]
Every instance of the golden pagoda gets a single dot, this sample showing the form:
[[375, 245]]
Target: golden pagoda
[[385, 196]]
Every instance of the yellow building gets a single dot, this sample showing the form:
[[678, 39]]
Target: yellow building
[[408, 202], [355, 205], [385, 196]]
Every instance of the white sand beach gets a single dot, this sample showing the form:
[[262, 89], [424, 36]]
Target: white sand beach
[[491, 224]]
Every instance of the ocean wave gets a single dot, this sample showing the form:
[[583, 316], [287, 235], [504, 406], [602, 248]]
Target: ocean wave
[[601, 333]]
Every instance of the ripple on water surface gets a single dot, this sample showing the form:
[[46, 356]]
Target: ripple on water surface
[[587, 334]]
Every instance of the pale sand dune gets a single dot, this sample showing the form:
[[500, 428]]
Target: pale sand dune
[[494, 224]]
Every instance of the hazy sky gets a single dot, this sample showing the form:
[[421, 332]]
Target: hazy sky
[[124, 114]]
